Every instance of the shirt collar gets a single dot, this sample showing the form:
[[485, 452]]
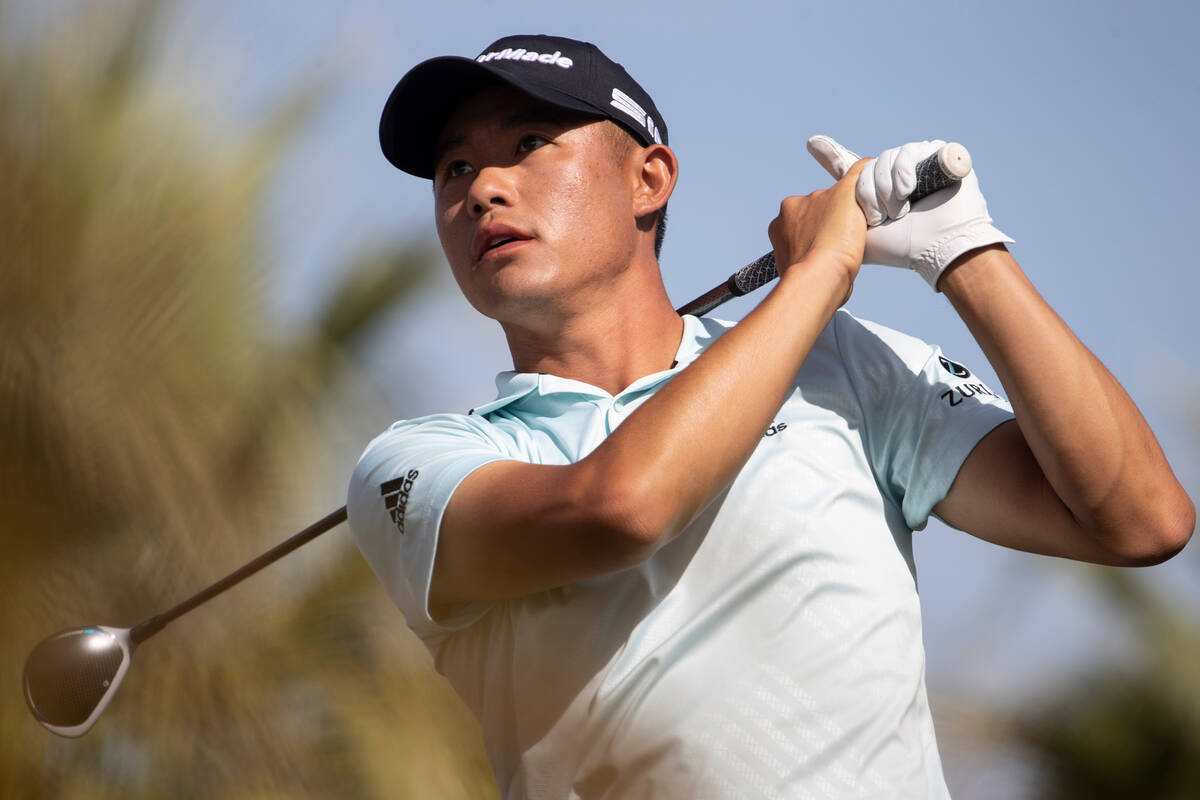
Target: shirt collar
[[512, 386]]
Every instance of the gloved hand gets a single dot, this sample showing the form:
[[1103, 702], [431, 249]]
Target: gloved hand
[[925, 236]]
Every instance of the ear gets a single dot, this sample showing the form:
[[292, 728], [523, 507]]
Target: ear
[[654, 170]]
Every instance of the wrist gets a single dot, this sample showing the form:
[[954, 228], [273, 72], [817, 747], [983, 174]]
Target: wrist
[[971, 266], [822, 275]]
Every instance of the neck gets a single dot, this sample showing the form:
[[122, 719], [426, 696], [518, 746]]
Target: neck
[[609, 342]]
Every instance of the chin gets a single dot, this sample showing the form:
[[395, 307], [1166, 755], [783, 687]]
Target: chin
[[520, 287]]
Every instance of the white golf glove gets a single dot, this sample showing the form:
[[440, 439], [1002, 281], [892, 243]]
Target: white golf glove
[[926, 236]]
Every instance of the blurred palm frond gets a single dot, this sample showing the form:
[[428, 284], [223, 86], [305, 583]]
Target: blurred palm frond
[[156, 434], [1132, 731]]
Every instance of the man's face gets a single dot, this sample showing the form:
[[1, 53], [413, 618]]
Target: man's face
[[534, 205]]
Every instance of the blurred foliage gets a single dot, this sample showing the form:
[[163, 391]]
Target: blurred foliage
[[1132, 732], [157, 434]]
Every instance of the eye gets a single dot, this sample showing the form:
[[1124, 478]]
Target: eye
[[530, 142], [457, 168]]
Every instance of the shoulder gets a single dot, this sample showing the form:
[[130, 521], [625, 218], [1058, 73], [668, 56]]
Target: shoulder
[[875, 365], [467, 427], [862, 340], [850, 337], [431, 436], [712, 328]]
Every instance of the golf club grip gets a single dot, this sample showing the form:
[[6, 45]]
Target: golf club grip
[[950, 164]]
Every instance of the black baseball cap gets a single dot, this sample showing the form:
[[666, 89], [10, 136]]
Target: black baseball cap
[[562, 72]]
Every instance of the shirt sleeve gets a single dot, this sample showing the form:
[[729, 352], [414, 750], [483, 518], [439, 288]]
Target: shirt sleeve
[[397, 495], [923, 413]]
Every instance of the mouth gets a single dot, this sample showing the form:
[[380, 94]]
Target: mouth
[[501, 243], [497, 241]]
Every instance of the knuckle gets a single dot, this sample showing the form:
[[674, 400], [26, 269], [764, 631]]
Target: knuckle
[[794, 205]]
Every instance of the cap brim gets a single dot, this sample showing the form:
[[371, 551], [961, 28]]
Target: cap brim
[[417, 109]]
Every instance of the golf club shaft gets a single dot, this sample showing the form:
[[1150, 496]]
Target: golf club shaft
[[148, 628], [144, 630], [69, 678]]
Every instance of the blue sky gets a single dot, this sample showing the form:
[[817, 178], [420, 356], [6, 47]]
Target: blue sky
[[1082, 119]]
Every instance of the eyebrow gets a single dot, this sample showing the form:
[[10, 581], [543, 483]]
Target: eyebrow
[[526, 116]]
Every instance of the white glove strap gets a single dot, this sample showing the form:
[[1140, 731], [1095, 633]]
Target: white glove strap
[[933, 262]]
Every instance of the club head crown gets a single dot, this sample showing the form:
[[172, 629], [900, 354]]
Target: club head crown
[[70, 677]]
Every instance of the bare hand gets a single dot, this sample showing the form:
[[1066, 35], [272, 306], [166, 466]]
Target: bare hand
[[826, 226]]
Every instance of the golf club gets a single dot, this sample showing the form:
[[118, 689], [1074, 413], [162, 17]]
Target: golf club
[[71, 676]]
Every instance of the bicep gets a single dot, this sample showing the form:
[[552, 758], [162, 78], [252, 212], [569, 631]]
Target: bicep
[[1001, 495], [513, 528]]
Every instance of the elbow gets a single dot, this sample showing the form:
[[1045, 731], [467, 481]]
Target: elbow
[[1157, 535], [632, 523], [1174, 534]]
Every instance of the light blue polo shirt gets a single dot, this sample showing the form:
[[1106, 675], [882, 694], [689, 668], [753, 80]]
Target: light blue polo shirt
[[772, 650]]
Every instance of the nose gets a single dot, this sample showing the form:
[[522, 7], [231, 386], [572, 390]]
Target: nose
[[493, 186]]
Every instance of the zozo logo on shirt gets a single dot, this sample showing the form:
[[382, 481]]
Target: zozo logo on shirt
[[955, 369]]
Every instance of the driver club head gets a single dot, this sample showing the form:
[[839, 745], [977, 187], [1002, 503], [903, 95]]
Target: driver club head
[[70, 677]]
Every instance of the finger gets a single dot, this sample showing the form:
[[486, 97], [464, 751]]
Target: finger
[[835, 158], [904, 169], [857, 167], [859, 174], [868, 198], [892, 200]]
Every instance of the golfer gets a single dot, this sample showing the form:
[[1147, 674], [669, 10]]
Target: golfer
[[673, 557]]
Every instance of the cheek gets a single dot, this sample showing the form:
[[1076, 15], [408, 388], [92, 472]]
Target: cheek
[[447, 220], [575, 201], [442, 224], [588, 204], [444, 211]]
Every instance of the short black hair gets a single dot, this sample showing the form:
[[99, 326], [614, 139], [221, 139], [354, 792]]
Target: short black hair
[[623, 142], [660, 230]]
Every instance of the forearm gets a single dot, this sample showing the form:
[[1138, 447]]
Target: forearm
[[1088, 437], [680, 450]]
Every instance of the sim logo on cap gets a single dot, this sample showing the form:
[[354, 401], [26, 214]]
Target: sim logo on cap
[[625, 103]]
